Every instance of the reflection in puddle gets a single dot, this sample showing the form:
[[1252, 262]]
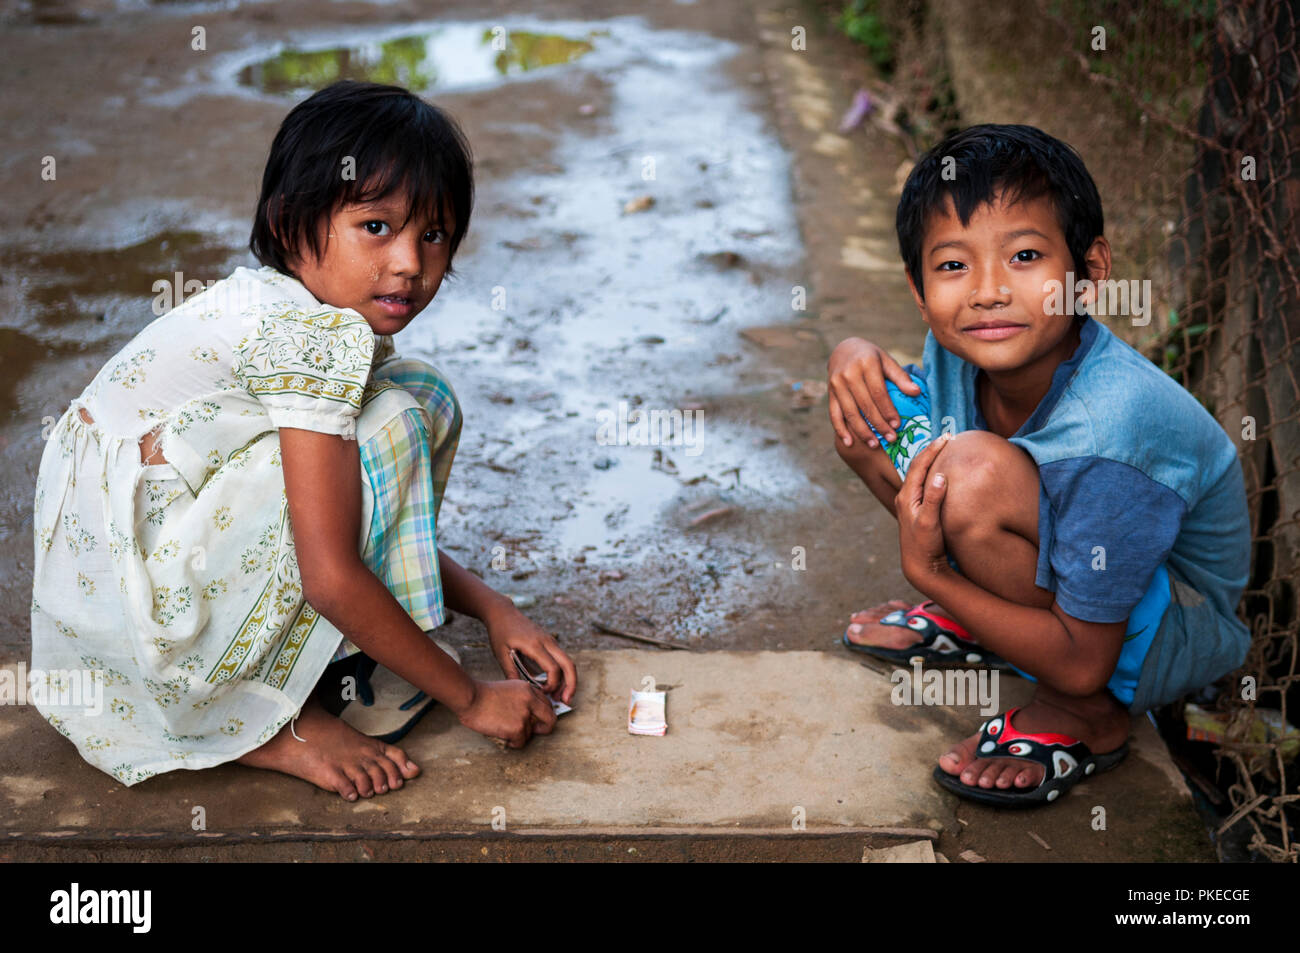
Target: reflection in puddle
[[621, 502], [19, 353], [457, 55], [59, 283]]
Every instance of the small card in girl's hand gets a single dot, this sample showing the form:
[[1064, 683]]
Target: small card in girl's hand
[[538, 681]]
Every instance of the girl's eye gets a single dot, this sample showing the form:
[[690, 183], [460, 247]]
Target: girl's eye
[[1027, 251], [367, 227], [438, 236]]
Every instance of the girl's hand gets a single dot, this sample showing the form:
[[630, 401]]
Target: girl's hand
[[512, 711], [920, 534], [511, 629]]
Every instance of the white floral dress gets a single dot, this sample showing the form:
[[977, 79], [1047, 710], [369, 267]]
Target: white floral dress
[[177, 583]]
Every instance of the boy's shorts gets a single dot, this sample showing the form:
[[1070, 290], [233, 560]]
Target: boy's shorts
[[914, 431]]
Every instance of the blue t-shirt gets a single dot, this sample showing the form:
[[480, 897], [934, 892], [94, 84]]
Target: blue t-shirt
[[1133, 472]]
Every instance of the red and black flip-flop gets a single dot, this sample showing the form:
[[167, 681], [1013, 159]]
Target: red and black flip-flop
[[1066, 761], [942, 642]]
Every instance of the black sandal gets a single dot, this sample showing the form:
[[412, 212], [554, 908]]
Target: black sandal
[[373, 700], [942, 642], [1066, 761]]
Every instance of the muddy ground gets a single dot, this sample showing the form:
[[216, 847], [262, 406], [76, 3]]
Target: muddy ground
[[714, 301], [715, 286]]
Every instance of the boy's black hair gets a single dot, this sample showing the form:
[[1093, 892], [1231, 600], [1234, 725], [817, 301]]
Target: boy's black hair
[[1022, 162], [393, 138]]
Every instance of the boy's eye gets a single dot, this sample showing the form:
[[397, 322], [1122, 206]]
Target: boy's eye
[[367, 227], [436, 235], [955, 264], [1027, 251]]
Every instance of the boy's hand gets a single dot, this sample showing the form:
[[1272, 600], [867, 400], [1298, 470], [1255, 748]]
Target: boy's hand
[[510, 710], [511, 629], [856, 375], [920, 534]]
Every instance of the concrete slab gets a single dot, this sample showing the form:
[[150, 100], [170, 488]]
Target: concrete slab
[[761, 746]]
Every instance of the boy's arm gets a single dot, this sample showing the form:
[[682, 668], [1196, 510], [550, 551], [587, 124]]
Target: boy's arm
[[1068, 654]]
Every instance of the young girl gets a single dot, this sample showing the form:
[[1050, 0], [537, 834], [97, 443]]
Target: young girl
[[249, 489]]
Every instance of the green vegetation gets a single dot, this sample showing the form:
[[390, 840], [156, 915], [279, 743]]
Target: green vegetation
[[526, 51], [406, 61], [861, 21], [402, 61]]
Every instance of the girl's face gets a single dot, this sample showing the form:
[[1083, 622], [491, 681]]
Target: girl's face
[[367, 265]]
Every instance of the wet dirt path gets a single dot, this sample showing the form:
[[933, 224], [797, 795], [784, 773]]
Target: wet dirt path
[[666, 222], [577, 296]]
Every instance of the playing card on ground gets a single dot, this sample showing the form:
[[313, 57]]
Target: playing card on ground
[[645, 714]]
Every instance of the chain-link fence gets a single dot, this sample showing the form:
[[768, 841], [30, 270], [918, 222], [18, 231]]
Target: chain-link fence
[[1188, 113]]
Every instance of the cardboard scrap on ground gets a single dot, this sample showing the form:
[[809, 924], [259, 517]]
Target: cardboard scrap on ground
[[916, 852]]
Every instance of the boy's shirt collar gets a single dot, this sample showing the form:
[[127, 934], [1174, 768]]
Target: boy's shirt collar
[[1088, 330]]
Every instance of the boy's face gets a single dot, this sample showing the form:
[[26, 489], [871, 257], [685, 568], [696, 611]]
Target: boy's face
[[987, 297], [366, 264]]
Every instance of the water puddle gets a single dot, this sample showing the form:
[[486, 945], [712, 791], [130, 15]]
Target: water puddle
[[71, 285], [453, 56], [601, 306], [620, 244]]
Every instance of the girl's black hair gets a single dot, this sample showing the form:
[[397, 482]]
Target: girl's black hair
[[1021, 162], [355, 142]]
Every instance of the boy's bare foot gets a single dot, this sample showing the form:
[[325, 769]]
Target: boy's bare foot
[[865, 629], [333, 756], [1099, 721]]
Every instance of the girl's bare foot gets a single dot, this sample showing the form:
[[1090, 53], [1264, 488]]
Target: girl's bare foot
[[333, 756], [865, 628], [1099, 721]]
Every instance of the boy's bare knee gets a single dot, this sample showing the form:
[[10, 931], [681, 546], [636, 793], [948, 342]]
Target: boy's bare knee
[[988, 479]]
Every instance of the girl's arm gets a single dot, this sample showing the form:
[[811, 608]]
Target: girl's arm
[[508, 628], [322, 482], [464, 592]]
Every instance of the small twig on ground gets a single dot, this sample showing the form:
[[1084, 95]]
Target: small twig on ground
[[1208, 789], [610, 630], [711, 514], [878, 671], [1042, 843]]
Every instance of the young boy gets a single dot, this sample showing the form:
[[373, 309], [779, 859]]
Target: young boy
[[1082, 517]]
